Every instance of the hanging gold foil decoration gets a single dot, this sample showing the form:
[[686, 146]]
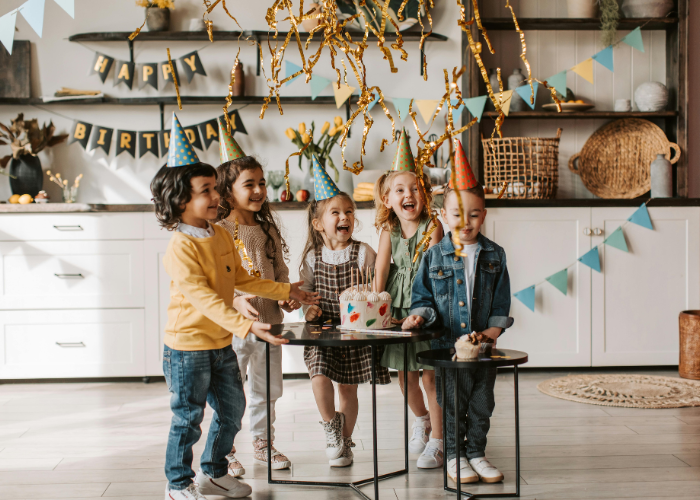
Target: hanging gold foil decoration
[[177, 87]]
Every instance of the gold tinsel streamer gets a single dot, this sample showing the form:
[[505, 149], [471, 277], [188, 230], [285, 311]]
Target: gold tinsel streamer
[[523, 53], [177, 87], [229, 97], [138, 30], [238, 243]]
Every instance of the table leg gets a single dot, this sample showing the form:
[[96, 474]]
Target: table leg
[[443, 372], [405, 405], [517, 432], [374, 422], [458, 468], [269, 426]]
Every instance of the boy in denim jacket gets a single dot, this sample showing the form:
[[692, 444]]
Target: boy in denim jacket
[[465, 294]]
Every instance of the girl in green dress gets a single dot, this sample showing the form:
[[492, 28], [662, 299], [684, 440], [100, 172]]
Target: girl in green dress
[[403, 218]]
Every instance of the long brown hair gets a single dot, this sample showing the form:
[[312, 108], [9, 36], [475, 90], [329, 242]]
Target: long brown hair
[[386, 218], [315, 210], [227, 174]]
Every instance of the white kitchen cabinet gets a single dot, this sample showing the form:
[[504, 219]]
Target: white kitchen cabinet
[[538, 243], [638, 296], [71, 227], [157, 288]]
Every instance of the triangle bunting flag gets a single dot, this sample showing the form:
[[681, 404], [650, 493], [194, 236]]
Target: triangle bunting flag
[[591, 259], [456, 111], [426, 108], [527, 297], [318, 84], [634, 39], [617, 240], [342, 94], [7, 29], [68, 6], [525, 93], [476, 105], [401, 104], [605, 57], [33, 12], [505, 101], [641, 217], [585, 69], [560, 280], [374, 101], [558, 81], [289, 69]]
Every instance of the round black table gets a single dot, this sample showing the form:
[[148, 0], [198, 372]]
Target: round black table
[[329, 335], [443, 359]]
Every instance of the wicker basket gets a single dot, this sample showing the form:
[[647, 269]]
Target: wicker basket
[[530, 165], [616, 160]]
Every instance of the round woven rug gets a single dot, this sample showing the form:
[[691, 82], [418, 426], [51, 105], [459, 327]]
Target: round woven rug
[[629, 391]]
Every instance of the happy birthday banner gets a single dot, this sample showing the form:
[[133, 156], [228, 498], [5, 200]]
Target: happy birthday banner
[[33, 12], [201, 135], [560, 279]]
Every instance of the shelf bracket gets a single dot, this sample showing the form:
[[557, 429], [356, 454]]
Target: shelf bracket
[[161, 105], [347, 113], [131, 51]]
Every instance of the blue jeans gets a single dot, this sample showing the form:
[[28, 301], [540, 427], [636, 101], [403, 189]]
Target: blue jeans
[[194, 379]]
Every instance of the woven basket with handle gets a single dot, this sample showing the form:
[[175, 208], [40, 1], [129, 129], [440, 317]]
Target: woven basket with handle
[[616, 160]]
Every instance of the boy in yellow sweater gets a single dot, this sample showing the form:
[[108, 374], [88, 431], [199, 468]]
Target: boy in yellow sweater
[[199, 364]]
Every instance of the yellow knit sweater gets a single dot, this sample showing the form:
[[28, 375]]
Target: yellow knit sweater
[[205, 272]]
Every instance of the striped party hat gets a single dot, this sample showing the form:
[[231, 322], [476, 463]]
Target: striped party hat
[[463, 172], [228, 147], [324, 187], [403, 159], [180, 152]]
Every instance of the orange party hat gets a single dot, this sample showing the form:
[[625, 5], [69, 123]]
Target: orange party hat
[[465, 178]]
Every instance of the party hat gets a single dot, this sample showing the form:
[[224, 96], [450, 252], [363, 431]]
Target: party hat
[[180, 152], [228, 147], [324, 187], [463, 172], [403, 159]]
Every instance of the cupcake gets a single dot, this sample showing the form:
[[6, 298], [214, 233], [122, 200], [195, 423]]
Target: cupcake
[[466, 348]]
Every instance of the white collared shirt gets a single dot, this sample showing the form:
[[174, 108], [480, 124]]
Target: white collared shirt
[[196, 232]]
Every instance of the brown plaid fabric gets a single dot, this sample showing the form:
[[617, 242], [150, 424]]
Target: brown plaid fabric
[[344, 365]]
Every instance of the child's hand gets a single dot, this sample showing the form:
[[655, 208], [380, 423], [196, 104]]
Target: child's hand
[[304, 297], [413, 322], [289, 305], [242, 305], [489, 335], [262, 331], [313, 313], [395, 321]]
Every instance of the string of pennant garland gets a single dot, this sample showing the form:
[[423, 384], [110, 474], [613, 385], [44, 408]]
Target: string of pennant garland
[[560, 279], [33, 12]]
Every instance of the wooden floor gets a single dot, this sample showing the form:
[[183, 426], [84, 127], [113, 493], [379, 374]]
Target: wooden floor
[[90, 440]]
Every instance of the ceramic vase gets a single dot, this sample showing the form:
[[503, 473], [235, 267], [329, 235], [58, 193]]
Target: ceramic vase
[[493, 79], [28, 176], [514, 81], [661, 177], [582, 8], [157, 19], [646, 8], [651, 96], [239, 84]]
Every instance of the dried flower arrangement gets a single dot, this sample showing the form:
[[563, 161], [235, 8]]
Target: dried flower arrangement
[[609, 18], [160, 4], [69, 193], [25, 137]]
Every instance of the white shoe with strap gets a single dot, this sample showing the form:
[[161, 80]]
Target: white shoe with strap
[[466, 474], [224, 486], [487, 472]]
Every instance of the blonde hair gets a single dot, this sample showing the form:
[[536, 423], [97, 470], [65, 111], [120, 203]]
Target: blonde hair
[[315, 210], [386, 218]]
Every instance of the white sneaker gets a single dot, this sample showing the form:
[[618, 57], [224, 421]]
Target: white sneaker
[[421, 431], [431, 458], [235, 468], [347, 457], [466, 474], [224, 486], [334, 436], [190, 493], [487, 472]]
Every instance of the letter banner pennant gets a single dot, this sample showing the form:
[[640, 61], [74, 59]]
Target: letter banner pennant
[[634, 39], [7, 29], [476, 105], [525, 93], [591, 259], [401, 104], [164, 141], [605, 57], [126, 141], [558, 81], [33, 12], [191, 65], [527, 297], [124, 73], [167, 75], [560, 280], [148, 142], [101, 66], [209, 131], [641, 217], [80, 133], [193, 136], [101, 138], [290, 68], [236, 122], [147, 74], [617, 240], [585, 69], [318, 84]]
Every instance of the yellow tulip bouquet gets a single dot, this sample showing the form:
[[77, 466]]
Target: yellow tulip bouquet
[[321, 148]]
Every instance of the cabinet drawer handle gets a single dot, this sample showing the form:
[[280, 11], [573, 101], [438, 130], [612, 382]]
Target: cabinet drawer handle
[[68, 228], [587, 231], [64, 276], [70, 344], [598, 232]]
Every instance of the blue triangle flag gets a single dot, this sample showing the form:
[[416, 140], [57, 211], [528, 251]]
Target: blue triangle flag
[[401, 104], [641, 217], [527, 297], [560, 280], [33, 12], [7, 29], [591, 259], [324, 187], [289, 69], [617, 240], [456, 112], [558, 81], [180, 151], [475, 105], [525, 93], [375, 101], [605, 57], [318, 83], [634, 39]]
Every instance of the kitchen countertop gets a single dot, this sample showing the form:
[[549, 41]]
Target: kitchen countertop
[[33, 208]]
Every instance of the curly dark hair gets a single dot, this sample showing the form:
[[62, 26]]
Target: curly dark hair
[[228, 173], [171, 189]]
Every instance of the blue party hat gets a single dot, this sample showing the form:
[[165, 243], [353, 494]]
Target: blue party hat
[[324, 187], [181, 152]]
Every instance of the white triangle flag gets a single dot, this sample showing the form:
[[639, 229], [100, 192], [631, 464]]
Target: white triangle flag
[[68, 6], [7, 29], [33, 12]]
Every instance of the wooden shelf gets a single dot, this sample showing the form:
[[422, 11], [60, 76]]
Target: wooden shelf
[[506, 24], [185, 36], [172, 100], [552, 115]]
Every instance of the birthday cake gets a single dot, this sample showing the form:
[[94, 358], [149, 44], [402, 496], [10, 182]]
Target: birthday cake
[[362, 308]]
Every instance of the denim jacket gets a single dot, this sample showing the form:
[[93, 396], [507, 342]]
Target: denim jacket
[[439, 294]]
